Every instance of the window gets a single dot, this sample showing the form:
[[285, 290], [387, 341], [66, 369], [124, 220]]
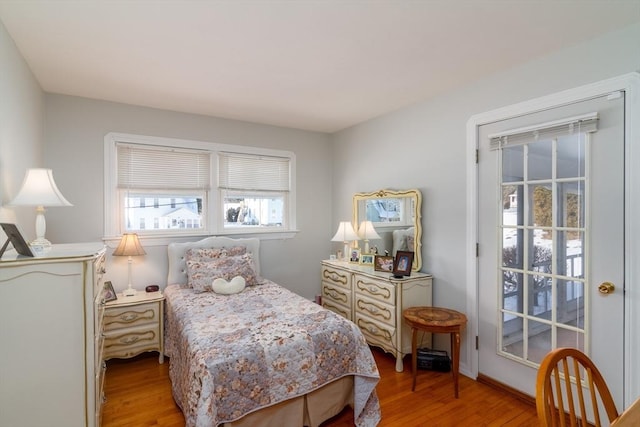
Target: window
[[167, 187], [254, 190]]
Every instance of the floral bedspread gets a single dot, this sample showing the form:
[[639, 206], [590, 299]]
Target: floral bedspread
[[234, 354]]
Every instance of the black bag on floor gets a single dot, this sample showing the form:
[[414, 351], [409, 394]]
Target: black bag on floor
[[433, 360]]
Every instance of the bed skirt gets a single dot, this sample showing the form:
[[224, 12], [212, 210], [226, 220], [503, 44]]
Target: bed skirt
[[310, 410]]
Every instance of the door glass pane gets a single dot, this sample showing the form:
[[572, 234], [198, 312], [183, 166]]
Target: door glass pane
[[570, 254], [539, 164], [540, 296], [571, 204], [511, 255], [541, 206], [570, 303], [538, 340], [512, 291], [570, 338], [512, 214], [512, 337], [570, 156], [541, 252], [513, 164]]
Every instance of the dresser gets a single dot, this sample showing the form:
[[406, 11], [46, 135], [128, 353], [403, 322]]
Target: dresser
[[51, 307], [133, 325], [374, 300]]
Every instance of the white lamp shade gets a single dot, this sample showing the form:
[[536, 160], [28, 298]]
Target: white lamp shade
[[367, 231], [129, 246], [39, 189], [345, 233]]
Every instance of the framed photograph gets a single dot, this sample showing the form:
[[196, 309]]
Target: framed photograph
[[15, 237], [109, 293], [354, 255], [383, 263], [402, 264], [366, 259]]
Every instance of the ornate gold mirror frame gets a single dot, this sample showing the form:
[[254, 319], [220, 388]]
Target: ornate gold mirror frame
[[392, 211]]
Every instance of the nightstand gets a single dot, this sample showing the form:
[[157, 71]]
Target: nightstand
[[133, 325]]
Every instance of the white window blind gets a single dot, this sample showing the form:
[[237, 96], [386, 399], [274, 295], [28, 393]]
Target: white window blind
[[253, 172], [161, 168], [586, 123]]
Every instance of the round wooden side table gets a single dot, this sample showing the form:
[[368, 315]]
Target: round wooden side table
[[436, 320]]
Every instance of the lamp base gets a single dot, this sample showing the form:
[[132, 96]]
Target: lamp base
[[129, 292]]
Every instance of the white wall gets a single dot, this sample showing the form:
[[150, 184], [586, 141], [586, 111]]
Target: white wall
[[424, 147], [74, 137], [21, 118]]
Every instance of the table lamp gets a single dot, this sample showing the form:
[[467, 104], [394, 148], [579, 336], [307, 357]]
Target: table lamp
[[129, 246], [39, 190], [367, 232], [345, 234]]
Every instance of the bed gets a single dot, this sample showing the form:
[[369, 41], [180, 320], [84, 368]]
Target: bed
[[261, 357]]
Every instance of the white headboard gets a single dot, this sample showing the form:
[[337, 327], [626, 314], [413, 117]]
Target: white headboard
[[178, 264]]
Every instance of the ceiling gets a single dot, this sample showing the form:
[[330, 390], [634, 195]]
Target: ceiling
[[320, 65]]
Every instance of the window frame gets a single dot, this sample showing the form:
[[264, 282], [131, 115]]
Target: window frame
[[214, 220]]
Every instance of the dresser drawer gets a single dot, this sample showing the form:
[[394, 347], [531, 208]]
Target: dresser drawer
[[376, 333], [336, 277], [380, 290], [337, 294], [123, 317], [340, 309], [376, 309]]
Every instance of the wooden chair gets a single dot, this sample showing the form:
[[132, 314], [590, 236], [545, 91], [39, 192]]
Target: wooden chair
[[559, 396]]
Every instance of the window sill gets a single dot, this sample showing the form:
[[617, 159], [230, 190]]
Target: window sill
[[164, 240]]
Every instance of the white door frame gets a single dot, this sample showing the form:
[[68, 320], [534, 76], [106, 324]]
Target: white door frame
[[630, 83]]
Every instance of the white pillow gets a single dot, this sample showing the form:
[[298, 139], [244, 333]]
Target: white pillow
[[235, 285]]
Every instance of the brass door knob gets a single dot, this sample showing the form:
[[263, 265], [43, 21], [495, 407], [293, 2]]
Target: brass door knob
[[606, 288]]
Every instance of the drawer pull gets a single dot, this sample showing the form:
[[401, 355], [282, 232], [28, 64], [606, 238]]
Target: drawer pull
[[130, 340]]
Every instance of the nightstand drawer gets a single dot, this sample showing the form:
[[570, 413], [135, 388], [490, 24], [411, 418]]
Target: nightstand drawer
[[125, 317], [131, 341], [377, 289]]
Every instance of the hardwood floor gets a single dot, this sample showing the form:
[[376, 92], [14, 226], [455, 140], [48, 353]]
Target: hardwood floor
[[138, 394]]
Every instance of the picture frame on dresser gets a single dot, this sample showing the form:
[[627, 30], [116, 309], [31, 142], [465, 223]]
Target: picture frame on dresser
[[109, 292], [354, 255], [366, 259], [383, 263], [402, 264]]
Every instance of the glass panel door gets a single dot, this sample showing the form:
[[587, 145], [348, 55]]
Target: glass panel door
[[542, 217]]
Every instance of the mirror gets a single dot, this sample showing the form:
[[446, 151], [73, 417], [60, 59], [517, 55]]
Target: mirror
[[396, 217]]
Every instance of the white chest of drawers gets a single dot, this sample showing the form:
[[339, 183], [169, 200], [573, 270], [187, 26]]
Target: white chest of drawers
[[374, 301], [133, 325], [51, 372]]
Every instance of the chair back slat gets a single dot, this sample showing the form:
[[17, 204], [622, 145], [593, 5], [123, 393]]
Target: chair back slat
[[561, 371]]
